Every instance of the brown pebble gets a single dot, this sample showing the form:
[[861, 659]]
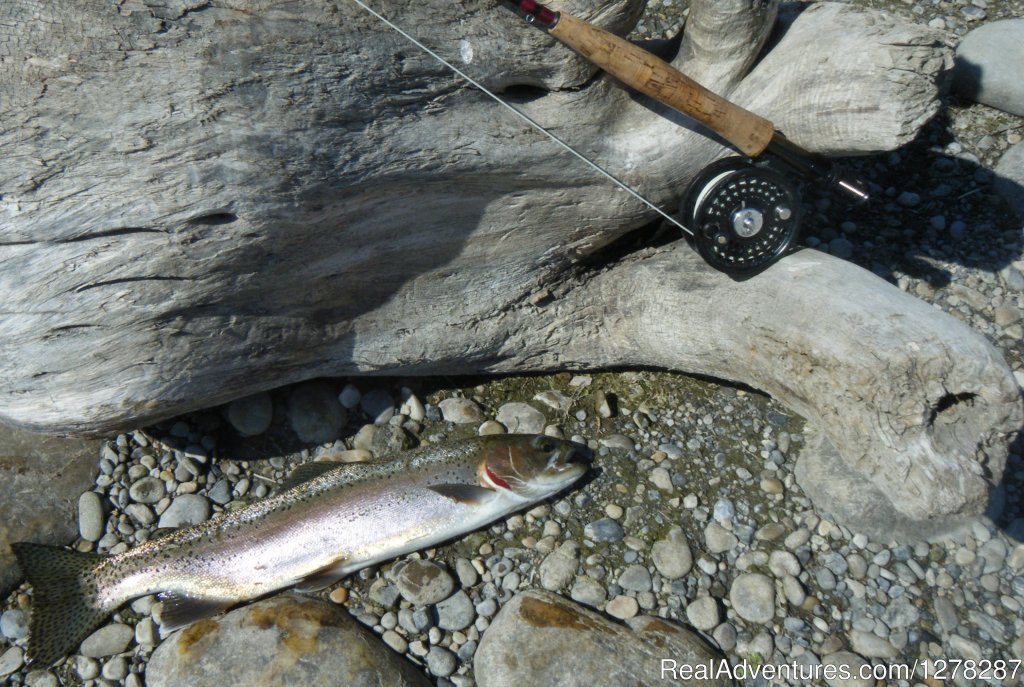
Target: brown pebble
[[339, 595]]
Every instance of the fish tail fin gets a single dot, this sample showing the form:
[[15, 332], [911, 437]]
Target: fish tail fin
[[65, 600]]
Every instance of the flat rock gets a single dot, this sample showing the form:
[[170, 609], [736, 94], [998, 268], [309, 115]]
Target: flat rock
[[987, 65], [461, 411], [672, 556], [107, 641], [845, 663], [456, 612], [186, 509], [521, 418], [1009, 180], [540, 638], [42, 478], [423, 583], [752, 596], [285, 640]]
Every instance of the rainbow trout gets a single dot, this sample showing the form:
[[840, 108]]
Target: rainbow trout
[[331, 519]]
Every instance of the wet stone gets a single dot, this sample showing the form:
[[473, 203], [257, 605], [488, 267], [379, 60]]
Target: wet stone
[[441, 662], [11, 660], [589, 591], [314, 413]]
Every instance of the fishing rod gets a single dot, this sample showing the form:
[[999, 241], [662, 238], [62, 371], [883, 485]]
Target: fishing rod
[[741, 212]]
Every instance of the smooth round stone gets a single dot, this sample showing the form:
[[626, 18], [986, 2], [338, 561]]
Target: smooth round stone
[[395, 641], [987, 65], [490, 427], [115, 669], [350, 397], [461, 411], [635, 578], [783, 563], [770, 532], [794, 591], [723, 510], [703, 613], [604, 530], [186, 509], [91, 522], [424, 583], [671, 556], [14, 624], [845, 662], [11, 660], [521, 418], [251, 415], [141, 513], [752, 596], [725, 635], [587, 590], [41, 678], [622, 607], [107, 641], [87, 668], [871, 645], [456, 612], [718, 539], [148, 490], [314, 413], [441, 662], [467, 574], [221, 492]]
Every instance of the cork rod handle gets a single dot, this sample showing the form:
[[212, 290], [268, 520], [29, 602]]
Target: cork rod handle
[[656, 78]]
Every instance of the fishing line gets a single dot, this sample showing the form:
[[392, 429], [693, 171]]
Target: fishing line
[[525, 117]]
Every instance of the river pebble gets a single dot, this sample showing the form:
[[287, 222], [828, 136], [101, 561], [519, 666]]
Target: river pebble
[[107, 641], [186, 509], [752, 596], [424, 583]]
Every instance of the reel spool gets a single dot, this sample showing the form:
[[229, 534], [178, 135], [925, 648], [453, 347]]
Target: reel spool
[[743, 217]]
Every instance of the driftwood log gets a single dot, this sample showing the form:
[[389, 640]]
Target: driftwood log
[[202, 199]]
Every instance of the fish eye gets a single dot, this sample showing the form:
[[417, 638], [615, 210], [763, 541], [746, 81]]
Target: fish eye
[[545, 444]]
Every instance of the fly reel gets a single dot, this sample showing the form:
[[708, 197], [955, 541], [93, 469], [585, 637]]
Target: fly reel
[[743, 217]]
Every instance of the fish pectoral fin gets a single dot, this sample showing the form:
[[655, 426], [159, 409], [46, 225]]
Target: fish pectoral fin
[[180, 610], [322, 578], [469, 494]]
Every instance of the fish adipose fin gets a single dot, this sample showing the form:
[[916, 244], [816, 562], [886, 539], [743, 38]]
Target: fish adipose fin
[[469, 494], [180, 610], [65, 608]]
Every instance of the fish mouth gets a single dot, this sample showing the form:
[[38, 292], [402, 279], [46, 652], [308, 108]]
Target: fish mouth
[[569, 463]]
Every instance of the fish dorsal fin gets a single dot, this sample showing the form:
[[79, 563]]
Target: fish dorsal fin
[[311, 470], [180, 610], [469, 494], [324, 577]]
